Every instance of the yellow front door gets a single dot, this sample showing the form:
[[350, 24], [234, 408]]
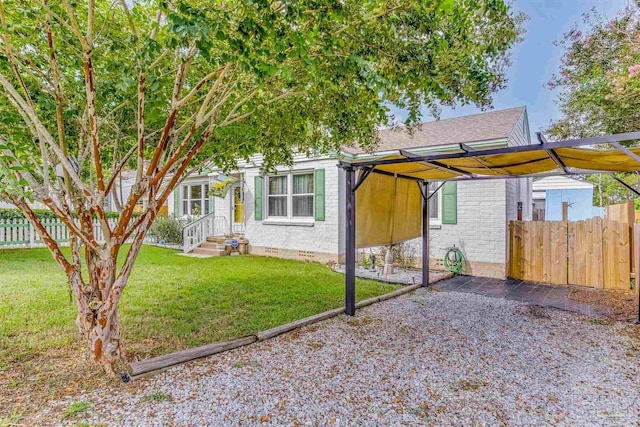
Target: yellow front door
[[238, 205]]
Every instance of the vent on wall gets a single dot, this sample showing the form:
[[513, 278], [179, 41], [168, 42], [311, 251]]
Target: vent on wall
[[270, 250], [306, 255]]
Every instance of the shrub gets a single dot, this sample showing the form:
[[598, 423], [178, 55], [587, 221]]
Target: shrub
[[168, 230], [404, 254], [6, 214]]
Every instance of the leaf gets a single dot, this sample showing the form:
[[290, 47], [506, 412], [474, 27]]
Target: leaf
[[446, 6]]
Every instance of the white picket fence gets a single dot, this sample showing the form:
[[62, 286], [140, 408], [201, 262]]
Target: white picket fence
[[19, 233]]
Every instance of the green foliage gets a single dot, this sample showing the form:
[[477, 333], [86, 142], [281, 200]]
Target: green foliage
[[16, 214], [599, 78], [76, 408], [599, 82], [157, 396], [6, 214], [608, 191], [12, 420], [435, 52], [168, 230]]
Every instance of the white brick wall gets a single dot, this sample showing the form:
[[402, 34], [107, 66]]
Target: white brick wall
[[481, 226], [481, 230], [322, 236]]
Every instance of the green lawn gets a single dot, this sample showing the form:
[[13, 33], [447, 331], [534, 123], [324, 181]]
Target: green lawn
[[170, 303]]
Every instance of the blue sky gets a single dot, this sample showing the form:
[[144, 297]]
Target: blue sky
[[536, 58]]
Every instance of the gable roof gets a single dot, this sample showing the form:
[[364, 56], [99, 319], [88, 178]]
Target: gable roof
[[559, 183], [487, 126]]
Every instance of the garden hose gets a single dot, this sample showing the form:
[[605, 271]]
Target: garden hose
[[454, 260]]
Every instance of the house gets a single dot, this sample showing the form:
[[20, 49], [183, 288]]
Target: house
[[121, 192], [297, 212], [551, 192]]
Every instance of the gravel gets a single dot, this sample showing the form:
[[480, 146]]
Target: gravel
[[401, 276], [428, 358]]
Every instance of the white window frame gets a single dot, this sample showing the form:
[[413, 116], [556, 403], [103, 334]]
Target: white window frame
[[289, 217], [204, 197], [438, 219]]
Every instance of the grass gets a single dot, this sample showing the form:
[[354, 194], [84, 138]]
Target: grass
[[158, 396], [10, 420], [171, 303], [76, 408]]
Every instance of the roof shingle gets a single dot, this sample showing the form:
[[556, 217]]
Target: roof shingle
[[487, 126]]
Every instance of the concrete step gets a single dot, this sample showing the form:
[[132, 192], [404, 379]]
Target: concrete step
[[209, 252], [209, 245], [216, 239]]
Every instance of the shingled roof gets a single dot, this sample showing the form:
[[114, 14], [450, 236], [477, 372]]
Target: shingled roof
[[488, 126]]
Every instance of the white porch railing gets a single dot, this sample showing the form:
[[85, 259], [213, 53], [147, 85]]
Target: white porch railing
[[196, 232]]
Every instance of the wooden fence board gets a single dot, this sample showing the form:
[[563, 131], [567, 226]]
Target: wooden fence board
[[594, 252], [515, 249], [538, 252], [558, 249], [595, 272], [616, 250], [578, 249], [545, 229]]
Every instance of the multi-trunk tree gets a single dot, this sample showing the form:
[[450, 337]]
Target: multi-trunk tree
[[92, 89]]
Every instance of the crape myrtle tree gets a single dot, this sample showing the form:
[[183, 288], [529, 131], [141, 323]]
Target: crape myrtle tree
[[599, 88], [94, 88]]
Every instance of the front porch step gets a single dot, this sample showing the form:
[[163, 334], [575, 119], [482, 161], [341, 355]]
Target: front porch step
[[210, 251], [209, 245], [216, 239], [221, 239]]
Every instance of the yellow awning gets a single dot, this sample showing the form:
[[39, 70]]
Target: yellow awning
[[388, 202]]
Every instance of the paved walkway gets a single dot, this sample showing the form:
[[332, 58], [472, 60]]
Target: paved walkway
[[530, 292]]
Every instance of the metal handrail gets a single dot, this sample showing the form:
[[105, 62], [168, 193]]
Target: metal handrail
[[196, 232]]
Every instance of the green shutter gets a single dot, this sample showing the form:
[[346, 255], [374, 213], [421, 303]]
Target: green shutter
[[176, 201], [450, 203], [258, 198], [319, 194]]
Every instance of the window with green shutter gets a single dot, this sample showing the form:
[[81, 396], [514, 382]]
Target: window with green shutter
[[319, 194], [450, 202], [258, 198]]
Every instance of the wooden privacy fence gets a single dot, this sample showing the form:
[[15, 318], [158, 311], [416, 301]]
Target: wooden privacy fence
[[594, 252], [20, 233]]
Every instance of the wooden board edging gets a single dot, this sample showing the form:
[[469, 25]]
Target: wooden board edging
[[160, 363], [279, 330]]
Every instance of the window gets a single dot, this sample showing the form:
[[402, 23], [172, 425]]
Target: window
[[435, 202], [278, 196], [290, 195], [302, 195], [195, 199]]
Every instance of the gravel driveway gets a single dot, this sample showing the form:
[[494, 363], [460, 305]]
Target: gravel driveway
[[429, 358]]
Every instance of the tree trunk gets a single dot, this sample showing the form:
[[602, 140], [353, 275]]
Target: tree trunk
[[97, 303]]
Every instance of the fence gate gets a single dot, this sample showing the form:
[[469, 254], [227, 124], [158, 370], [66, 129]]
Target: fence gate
[[594, 252]]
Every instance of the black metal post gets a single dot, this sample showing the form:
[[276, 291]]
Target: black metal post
[[350, 243], [425, 234]]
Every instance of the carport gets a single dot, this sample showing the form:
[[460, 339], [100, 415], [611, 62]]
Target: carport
[[387, 198]]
